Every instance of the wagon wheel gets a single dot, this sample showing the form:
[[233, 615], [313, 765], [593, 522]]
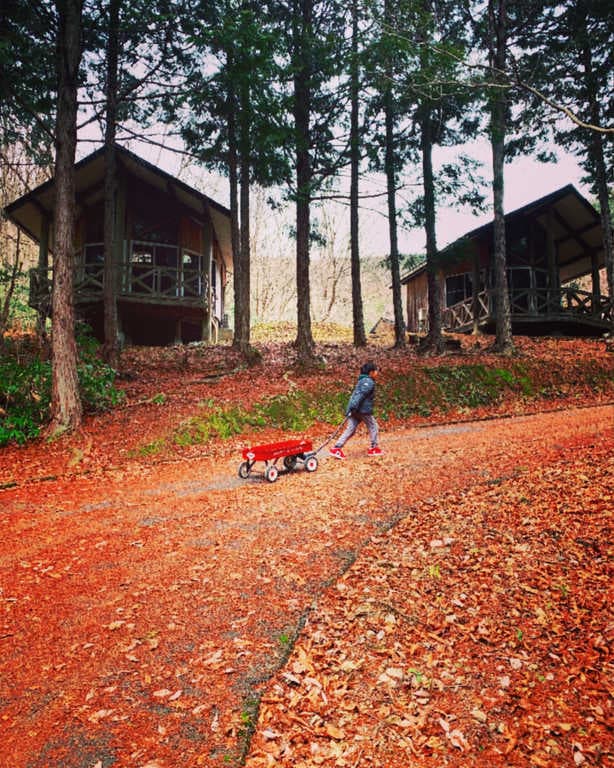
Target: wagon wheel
[[311, 464], [244, 470], [289, 462], [271, 473]]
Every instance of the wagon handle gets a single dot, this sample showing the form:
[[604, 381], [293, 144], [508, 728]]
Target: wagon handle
[[334, 434]]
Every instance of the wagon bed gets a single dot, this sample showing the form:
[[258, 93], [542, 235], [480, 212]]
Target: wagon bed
[[292, 452]]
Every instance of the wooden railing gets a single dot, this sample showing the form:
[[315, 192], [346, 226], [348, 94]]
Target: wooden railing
[[461, 315], [533, 303], [140, 281], [136, 281]]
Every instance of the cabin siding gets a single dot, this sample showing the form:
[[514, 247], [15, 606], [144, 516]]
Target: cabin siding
[[417, 304]]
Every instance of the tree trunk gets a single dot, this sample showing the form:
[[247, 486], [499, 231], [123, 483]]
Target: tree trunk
[[434, 341], [357, 305], [497, 15], [302, 105], [390, 170], [66, 410], [599, 163], [242, 266], [235, 234], [111, 324]]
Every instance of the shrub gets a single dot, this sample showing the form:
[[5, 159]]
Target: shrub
[[25, 390]]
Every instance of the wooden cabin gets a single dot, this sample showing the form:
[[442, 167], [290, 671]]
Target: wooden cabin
[[172, 251], [553, 245]]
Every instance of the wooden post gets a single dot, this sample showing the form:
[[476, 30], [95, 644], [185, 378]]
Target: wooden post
[[554, 276], [475, 303], [206, 268], [596, 288]]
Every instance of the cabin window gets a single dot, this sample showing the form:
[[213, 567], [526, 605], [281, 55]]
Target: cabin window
[[94, 258], [154, 218], [458, 288]]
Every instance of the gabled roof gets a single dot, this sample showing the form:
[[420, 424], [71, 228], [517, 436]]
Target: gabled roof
[[573, 221], [29, 211]]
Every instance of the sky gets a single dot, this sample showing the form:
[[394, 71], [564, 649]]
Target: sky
[[525, 180]]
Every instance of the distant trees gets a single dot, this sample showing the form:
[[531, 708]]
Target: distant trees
[[18, 174]]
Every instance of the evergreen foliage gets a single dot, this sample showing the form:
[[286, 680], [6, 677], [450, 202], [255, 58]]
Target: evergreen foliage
[[25, 388]]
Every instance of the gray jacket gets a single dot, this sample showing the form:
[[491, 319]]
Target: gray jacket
[[361, 399]]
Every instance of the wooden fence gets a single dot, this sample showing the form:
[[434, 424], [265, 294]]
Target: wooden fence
[[157, 285], [538, 304]]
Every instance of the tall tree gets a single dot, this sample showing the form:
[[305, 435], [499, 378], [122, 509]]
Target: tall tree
[[444, 116], [497, 44], [392, 165], [229, 122], [311, 31], [503, 27], [423, 107], [66, 410], [568, 75], [358, 323], [302, 67], [434, 340], [111, 321]]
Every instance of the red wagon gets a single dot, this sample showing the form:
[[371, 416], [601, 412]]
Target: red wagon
[[292, 452]]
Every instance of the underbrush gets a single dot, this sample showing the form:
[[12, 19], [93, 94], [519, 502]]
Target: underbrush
[[423, 391], [25, 387]]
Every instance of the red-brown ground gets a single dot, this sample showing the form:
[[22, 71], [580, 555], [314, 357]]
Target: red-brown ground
[[455, 593]]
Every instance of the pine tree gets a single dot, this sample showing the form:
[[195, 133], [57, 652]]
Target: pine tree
[[66, 410]]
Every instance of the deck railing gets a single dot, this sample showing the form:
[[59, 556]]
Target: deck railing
[[533, 303], [135, 281]]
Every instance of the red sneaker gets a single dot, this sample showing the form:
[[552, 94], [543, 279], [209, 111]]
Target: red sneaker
[[374, 451], [337, 453]]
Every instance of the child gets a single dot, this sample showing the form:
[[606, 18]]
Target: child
[[360, 408]]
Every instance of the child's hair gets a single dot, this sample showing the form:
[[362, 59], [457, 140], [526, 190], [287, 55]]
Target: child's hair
[[368, 367]]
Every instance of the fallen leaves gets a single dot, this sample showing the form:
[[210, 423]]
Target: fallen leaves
[[510, 670], [455, 597]]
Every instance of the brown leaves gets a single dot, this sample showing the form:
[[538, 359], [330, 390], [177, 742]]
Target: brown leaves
[[457, 593], [474, 633]]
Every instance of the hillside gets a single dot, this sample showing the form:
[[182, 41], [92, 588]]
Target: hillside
[[447, 603]]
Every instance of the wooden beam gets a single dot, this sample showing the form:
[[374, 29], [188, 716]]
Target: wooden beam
[[572, 234]]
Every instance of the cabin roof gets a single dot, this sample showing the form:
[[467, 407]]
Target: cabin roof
[[28, 211], [576, 227]]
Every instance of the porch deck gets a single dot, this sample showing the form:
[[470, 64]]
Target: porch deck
[[536, 310], [156, 302], [150, 285]]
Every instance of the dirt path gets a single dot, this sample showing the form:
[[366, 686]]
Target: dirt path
[[137, 625]]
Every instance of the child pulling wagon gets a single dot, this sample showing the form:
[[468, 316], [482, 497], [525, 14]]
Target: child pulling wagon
[[360, 409]]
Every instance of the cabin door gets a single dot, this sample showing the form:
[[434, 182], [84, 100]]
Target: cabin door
[[527, 289], [191, 274]]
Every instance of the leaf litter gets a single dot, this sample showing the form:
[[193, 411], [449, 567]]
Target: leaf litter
[[448, 604]]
